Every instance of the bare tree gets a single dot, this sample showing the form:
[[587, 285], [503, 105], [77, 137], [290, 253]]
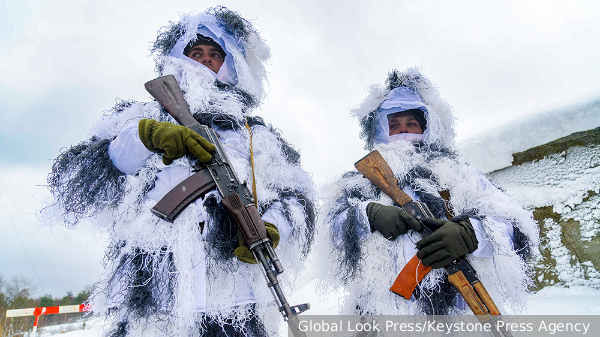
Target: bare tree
[[18, 292], [15, 294]]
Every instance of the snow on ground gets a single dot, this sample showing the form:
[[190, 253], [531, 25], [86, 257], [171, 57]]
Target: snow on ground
[[92, 332], [548, 301], [569, 182], [77, 329], [565, 301]]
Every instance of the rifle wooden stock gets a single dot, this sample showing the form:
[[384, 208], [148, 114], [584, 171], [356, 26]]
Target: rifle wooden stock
[[169, 94], [374, 168]]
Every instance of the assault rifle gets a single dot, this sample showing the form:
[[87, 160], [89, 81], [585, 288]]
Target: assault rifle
[[460, 273], [236, 197]]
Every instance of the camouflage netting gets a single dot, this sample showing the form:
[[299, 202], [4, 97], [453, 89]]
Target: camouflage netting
[[365, 264], [154, 269]]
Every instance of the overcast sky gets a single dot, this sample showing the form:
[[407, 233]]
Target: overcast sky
[[62, 63]]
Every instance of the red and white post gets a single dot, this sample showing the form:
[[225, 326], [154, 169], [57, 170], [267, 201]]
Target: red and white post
[[38, 311]]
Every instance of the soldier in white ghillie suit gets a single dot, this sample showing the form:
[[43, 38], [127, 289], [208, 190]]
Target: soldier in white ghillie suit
[[370, 240], [191, 277]]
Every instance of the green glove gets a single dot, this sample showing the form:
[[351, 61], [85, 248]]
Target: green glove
[[245, 255], [450, 242], [174, 140], [391, 221]]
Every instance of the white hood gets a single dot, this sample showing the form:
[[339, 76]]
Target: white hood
[[208, 27], [243, 65], [405, 90], [400, 99]]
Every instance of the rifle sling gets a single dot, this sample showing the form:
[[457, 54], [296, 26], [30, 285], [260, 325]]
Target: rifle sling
[[177, 199], [252, 166], [445, 194]]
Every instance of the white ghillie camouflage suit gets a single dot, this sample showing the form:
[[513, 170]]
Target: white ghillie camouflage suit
[[176, 279], [365, 264]]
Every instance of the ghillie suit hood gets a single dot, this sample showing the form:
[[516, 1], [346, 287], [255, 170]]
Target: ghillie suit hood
[[365, 264], [74, 180], [243, 67], [418, 93], [149, 285]]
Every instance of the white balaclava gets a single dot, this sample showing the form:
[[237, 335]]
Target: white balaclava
[[400, 99]]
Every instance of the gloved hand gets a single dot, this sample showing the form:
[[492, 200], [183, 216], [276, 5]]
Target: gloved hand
[[451, 241], [175, 140], [391, 221], [245, 255]]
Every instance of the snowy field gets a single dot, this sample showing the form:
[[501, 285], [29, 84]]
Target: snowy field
[[549, 301]]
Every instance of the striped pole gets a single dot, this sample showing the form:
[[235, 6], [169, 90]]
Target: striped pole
[[46, 311]]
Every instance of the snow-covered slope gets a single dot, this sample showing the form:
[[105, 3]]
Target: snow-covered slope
[[493, 150], [560, 180]]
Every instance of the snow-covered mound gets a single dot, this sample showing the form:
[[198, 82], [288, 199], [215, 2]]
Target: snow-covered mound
[[562, 189], [493, 150], [555, 172], [560, 180]]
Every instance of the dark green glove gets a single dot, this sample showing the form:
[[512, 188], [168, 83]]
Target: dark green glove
[[450, 242], [245, 255], [174, 140], [391, 221]]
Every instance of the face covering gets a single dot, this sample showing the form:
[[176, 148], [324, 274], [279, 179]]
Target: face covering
[[407, 137], [227, 73], [400, 99]]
